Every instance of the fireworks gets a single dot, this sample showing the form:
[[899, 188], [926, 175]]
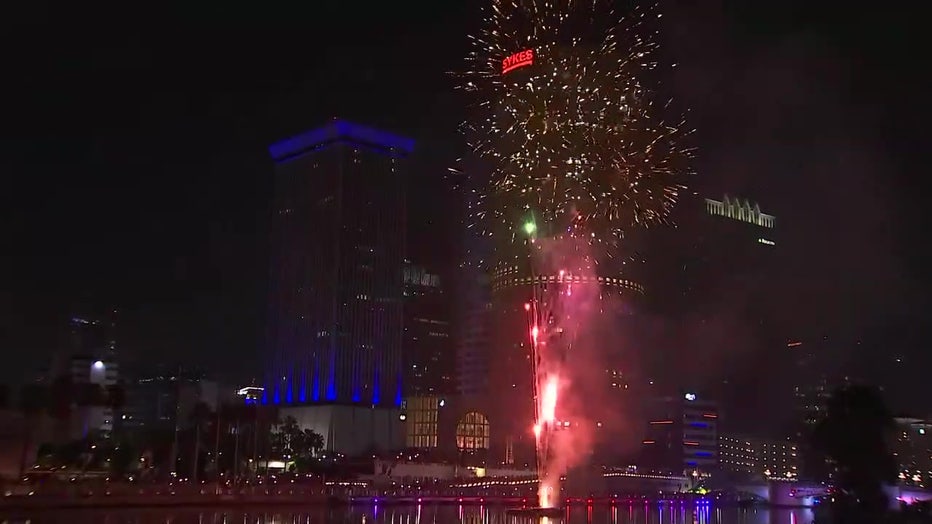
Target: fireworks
[[563, 116], [578, 154]]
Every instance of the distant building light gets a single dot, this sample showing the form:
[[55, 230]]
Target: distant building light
[[98, 365], [738, 209], [690, 397], [249, 391], [766, 242]]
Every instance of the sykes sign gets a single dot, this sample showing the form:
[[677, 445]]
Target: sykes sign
[[517, 60]]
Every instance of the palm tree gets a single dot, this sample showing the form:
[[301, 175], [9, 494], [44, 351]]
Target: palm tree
[[313, 441], [200, 414]]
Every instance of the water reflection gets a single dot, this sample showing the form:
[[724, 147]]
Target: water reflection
[[647, 514]]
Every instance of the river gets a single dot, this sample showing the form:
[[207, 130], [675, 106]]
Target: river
[[653, 514]]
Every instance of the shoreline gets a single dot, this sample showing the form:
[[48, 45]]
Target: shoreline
[[207, 501]]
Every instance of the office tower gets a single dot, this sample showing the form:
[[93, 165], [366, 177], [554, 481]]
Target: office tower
[[85, 375], [815, 372], [336, 294], [473, 305], [715, 283], [758, 458], [812, 385], [430, 360], [717, 250], [164, 400], [912, 447], [681, 436], [472, 357], [336, 291]]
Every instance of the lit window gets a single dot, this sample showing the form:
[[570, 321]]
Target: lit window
[[472, 432]]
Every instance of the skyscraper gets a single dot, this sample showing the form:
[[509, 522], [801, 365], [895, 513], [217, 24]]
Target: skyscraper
[[430, 360], [473, 304], [718, 247], [472, 357], [715, 283], [682, 434], [88, 368], [336, 289]]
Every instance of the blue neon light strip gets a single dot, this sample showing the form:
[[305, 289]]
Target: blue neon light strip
[[315, 384], [398, 392], [339, 131], [376, 387], [331, 381]]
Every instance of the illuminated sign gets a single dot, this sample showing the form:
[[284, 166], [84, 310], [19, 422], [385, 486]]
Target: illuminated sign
[[517, 60], [690, 397]]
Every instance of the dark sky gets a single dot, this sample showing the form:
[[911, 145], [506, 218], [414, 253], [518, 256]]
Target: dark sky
[[136, 174]]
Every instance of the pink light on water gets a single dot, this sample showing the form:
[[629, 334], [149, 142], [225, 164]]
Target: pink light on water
[[534, 333]]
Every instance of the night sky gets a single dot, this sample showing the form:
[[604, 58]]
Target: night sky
[[136, 173]]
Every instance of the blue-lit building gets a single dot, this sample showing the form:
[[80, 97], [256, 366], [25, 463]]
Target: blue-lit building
[[681, 435], [336, 282]]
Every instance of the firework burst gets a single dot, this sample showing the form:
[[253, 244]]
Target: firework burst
[[562, 115]]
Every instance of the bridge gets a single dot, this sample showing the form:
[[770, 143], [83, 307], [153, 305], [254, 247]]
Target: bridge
[[796, 494], [781, 493]]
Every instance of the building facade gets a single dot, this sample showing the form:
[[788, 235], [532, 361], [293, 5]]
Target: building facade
[[164, 401], [430, 365], [88, 367], [474, 303], [681, 435], [718, 249], [912, 448], [336, 289], [472, 351], [715, 277], [752, 457]]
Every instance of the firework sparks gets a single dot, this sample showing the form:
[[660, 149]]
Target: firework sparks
[[548, 402], [578, 154], [564, 117]]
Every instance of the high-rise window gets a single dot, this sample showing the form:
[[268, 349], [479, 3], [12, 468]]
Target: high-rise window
[[422, 422]]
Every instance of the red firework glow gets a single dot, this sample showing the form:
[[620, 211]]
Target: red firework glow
[[580, 156], [546, 380]]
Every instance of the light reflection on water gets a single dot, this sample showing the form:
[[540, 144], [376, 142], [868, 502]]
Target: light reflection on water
[[653, 514]]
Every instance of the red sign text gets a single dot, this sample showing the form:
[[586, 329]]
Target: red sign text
[[519, 59]]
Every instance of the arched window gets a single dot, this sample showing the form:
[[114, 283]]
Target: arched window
[[472, 432]]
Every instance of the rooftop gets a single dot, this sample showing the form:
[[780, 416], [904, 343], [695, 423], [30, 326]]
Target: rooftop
[[340, 131]]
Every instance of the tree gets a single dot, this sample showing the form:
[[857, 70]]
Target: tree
[[852, 439], [296, 443], [199, 415], [314, 441]]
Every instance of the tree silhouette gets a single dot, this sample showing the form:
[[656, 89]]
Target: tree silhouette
[[852, 439], [297, 443]]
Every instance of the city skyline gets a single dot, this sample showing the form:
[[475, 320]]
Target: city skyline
[[166, 219]]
